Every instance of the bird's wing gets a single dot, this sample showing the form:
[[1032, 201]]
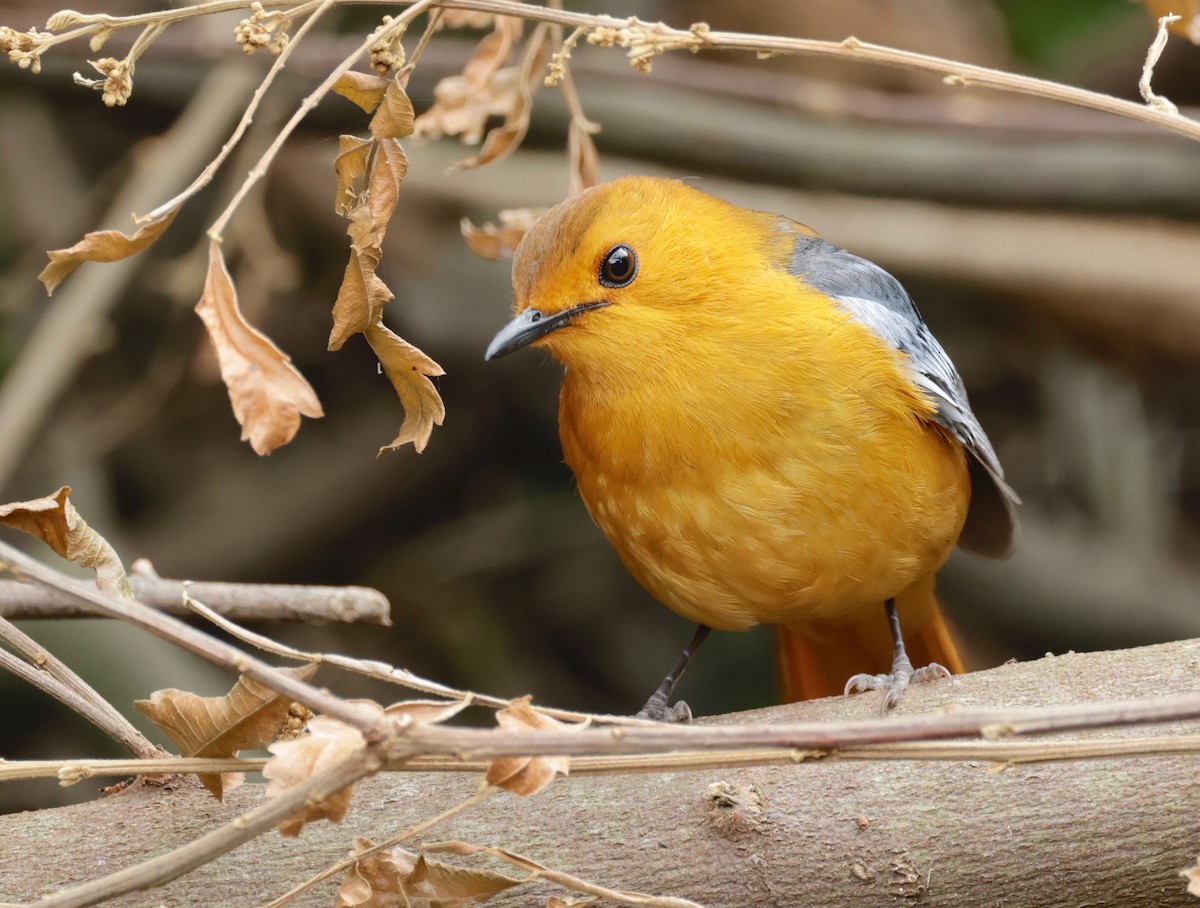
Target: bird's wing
[[878, 301]]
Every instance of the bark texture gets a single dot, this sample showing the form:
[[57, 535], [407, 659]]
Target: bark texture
[[826, 832]]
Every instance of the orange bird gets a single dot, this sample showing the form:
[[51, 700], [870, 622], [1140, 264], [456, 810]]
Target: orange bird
[[764, 428]]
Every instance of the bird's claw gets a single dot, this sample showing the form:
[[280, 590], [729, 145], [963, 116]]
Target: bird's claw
[[901, 677], [658, 710]]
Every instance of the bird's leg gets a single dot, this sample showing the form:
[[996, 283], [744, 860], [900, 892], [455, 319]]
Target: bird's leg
[[659, 706], [903, 674]]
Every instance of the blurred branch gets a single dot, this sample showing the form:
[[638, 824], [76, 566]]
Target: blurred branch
[[238, 601], [66, 336]]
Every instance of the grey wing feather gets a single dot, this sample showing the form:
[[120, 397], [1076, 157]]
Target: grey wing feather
[[875, 299]]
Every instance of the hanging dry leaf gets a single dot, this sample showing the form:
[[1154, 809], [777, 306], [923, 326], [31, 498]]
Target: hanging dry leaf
[[369, 218], [327, 743], [493, 241], [463, 103], [247, 718], [398, 877], [526, 775], [504, 139], [364, 89], [394, 119], [102, 246], [350, 166], [55, 521], [268, 395], [408, 369], [360, 299]]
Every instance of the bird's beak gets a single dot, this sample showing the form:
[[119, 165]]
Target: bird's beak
[[532, 324]]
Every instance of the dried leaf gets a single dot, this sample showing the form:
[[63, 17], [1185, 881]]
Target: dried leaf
[[504, 139], [426, 712], [407, 368], [268, 395], [465, 18], [369, 218], [494, 242], [463, 109], [1192, 875], [327, 743], [102, 246], [463, 104], [350, 166], [526, 775], [364, 89], [398, 877], [55, 521], [360, 299], [394, 119], [247, 718]]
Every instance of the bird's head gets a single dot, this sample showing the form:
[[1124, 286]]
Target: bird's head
[[628, 268]]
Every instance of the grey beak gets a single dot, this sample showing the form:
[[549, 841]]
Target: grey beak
[[532, 324]]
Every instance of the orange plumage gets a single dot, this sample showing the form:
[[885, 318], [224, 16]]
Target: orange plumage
[[745, 413]]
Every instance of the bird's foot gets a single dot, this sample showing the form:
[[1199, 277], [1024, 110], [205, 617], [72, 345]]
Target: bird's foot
[[658, 709], [902, 676]]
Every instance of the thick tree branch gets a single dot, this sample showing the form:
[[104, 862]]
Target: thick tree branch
[[830, 832]]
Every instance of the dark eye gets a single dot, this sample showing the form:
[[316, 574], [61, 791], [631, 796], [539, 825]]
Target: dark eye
[[619, 267]]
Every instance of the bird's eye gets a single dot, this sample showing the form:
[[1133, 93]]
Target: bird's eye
[[619, 267]]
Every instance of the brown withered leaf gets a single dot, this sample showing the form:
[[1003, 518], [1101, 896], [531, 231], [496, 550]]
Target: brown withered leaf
[[55, 521], [492, 241], [462, 109], [426, 712], [247, 718], [267, 392], [102, 246], [394, 118], [360, 299], [408, 369], [486, 88], [295, 761], [369, 218], [364, 89], [395, 876], [526, 775], [504, 139], [1192, 875], [350, 165]]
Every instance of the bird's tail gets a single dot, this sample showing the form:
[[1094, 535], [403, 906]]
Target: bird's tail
[[818, 660]]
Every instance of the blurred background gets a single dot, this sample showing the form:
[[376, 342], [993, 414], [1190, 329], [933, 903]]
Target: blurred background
[[1054, 251]]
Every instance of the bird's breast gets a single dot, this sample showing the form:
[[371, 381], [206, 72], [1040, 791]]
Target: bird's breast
[[765, 501]]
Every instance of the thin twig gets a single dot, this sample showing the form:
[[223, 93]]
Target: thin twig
[[68, 772], [310, 101], [51, 675], [485, 791], [200, 851], [195, 641], [954, 72], [1158, 102], [214, 165], [382, 671]]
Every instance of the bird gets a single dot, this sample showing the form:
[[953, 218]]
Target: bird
[[764, 428]]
